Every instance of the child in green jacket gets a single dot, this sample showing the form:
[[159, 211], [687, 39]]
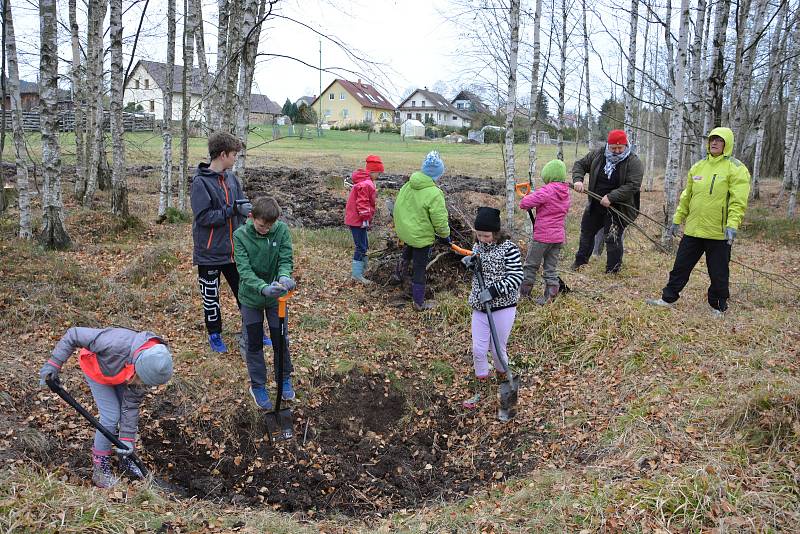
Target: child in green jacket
[[263, 251]]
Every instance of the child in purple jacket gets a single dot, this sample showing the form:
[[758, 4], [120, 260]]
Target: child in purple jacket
[[552, 204]]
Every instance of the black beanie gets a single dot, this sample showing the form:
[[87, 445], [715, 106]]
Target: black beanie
[[487, 220]]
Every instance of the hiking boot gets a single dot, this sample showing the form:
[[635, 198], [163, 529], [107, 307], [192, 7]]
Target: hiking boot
[[418, 298], [550, 294], [660, 303], [525, 290], [504, 416], [102, 476], [426, 305], [287, 393], [216, 343], [357, 272], [577, 266], [261, 397], [717, 314], [131, 468]]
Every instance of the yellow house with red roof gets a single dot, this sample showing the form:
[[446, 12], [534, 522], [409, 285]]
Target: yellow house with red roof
[[345, 102]]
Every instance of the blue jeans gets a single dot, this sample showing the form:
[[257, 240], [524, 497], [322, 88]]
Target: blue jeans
[[361, 241], [253, 320]]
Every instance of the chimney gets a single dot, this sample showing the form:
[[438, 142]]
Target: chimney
[[359, 81]]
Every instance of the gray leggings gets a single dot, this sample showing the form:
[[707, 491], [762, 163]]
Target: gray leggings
[[109, 402]]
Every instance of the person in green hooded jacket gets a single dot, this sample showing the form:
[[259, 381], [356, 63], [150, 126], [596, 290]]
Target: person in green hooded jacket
[[264, 258], [420, 217], [711, 209]]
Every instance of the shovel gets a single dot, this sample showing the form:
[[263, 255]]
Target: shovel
[[55, 386], [279, 421], [509, 388]]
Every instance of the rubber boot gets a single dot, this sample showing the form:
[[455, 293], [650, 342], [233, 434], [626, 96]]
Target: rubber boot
[[400, 271], [357, 272], [131, 468], [525, 290], [550, 294], [102, 476], [418, 296]]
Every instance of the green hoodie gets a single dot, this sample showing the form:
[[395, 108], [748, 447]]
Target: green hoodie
[[716, 193], [419, 212], [261, 260]]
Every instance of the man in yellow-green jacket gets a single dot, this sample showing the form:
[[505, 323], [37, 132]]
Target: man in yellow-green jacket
[[711, 208]]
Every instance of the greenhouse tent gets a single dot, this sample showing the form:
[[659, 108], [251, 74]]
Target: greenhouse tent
[[412, 128]]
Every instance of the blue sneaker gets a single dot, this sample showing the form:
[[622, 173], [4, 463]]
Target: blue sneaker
[[261, 397], [267, 340], [287, 392], [217, 345]]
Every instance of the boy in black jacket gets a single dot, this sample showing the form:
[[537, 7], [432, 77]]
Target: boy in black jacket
[[217, 214]]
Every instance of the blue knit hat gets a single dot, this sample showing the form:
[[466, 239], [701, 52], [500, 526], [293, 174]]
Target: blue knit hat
[[433, 165], [154, 365]]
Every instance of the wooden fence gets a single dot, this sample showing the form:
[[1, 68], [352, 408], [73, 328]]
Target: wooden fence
[[132, 122]]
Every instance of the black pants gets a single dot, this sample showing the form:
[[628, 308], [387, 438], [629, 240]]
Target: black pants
[[208, 277], [596, 218], [419, 260], [718, 257]]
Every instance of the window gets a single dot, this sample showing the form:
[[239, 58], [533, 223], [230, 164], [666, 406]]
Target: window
[[384, 116], [368, 116], [460, 105], [439, 116], [408, 115], [152, 106], [419, 116], [423, 103], [327, 112], [136, 83], [341, 96], [455, 118], [147, 83], [345, 113], [331, 96], [413, 103]]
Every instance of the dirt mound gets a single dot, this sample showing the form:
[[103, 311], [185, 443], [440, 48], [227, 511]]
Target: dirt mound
[[365, 446]]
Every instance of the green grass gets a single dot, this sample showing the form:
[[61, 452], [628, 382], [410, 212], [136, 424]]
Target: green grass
[[762, 223]]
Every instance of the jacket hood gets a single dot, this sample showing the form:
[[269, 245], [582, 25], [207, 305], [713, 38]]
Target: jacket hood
[[420, 180], [360, 175], [727, 135], [205, 171], [560, 189], [251, 229]]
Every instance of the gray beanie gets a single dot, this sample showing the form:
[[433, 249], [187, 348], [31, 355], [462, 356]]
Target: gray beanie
[[154, 365]]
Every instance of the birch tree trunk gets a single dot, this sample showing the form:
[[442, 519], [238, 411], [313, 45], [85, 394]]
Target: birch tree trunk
[[254, 9], [589, 121], [54, 234], [94, 78], [675, 126], [217, 97], [79, 95], [199, 38], [511, 105], [631, 75], [696, 116], [186, 95], [790, 139], [165, 190], [234, 57], [716, 80], [23, 185], [640, 98], [651, 118], [535, 92], [562, 80], [119, 182]]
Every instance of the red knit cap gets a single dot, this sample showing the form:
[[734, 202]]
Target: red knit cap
[[374, 164], [617, 137]]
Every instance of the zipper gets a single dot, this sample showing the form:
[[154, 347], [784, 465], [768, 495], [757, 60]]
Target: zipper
[[210, 237], [713, 179]]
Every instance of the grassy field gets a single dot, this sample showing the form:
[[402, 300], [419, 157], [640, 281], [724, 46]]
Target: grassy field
[[638, 419]]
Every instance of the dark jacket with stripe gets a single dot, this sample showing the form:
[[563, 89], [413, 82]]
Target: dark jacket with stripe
[[625, 198], [214, 197]]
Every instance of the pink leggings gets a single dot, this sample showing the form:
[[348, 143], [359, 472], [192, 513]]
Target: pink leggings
[[482, 338]]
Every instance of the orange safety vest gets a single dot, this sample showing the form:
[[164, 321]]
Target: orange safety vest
[[88, 362]]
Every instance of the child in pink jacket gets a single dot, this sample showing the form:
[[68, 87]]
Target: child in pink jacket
[[549, 233], [359, 211]]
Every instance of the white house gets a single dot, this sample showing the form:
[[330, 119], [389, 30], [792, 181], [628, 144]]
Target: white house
[[423, 105], [470, 103]]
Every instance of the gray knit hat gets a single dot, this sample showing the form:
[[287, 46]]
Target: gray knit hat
[[154, 365]]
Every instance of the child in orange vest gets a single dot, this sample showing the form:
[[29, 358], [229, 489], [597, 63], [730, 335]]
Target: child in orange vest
[[119, 365]]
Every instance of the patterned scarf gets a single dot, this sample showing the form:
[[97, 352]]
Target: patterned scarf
[[612, 160]]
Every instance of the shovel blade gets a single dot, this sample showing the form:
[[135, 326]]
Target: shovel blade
[[280, 424], [509, 393]]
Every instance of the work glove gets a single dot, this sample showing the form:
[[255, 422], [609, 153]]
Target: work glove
[[48, 370], [445, 240], [674, 229], [287, 282], [730, 234], [244, 208], [365, 224], [274, 290], [485, 296], [126, 451], [469, 261]]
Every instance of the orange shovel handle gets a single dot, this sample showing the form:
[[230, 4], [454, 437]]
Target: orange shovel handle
[[282, 304], [522, 189], [462, 251]]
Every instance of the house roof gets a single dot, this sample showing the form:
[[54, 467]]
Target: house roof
[[365, 94], [159, 73], [307, 99], [479, 106], [262, 104], [32, 88], [434, 102]]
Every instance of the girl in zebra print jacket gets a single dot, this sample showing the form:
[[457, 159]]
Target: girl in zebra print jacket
[[501, 267]]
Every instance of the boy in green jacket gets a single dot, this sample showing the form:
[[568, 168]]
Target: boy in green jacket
[[712, 207], [263, 251], [420, 217]]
